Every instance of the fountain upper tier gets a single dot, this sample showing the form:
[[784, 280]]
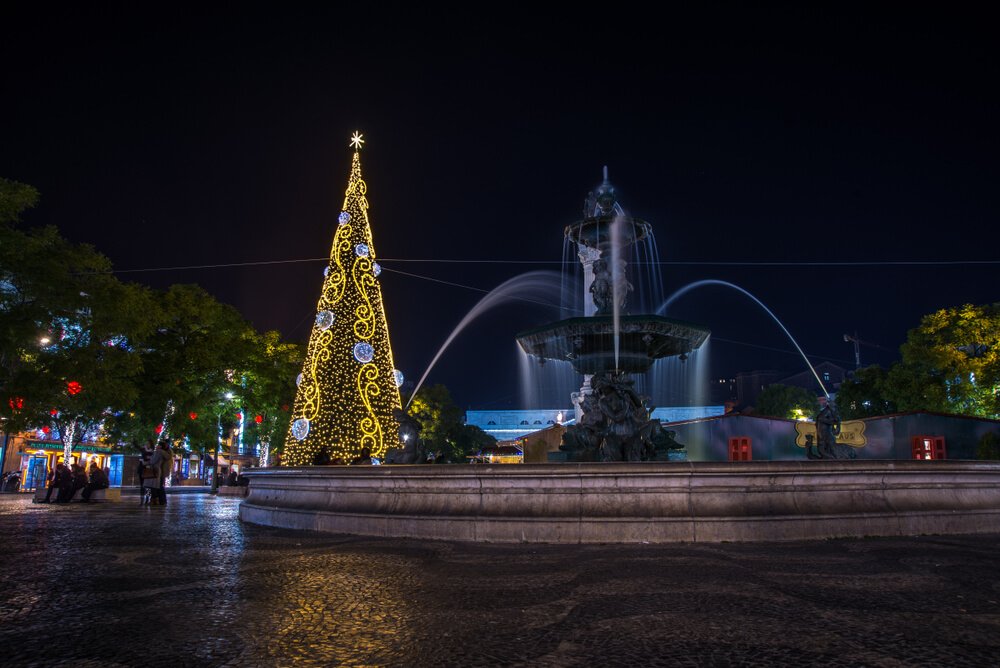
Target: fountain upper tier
[[595, 231], [588, 342], [600, 210]]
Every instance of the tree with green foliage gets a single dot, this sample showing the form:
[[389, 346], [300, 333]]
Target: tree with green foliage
[[951, 363], [989, 446], [786, 401], [443, 433], [470, 439], [15, 199], [70, 332], [866, 393], [191, 362], [270, 390], [84, 354]]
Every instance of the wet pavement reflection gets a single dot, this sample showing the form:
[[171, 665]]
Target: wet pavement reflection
[[119, 584]]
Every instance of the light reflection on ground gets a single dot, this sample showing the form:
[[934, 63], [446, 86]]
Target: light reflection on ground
[[90, 584]]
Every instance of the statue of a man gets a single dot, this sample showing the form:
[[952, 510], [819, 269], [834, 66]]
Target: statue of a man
[[601, 288], [827, 428]]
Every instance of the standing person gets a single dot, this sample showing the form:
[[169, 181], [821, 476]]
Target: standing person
[[163, 460], [150, 480], [142, 470], [51, 482], [98, 480]]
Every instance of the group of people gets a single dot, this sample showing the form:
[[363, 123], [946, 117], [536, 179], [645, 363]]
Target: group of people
[[66, 480], [155, 465]]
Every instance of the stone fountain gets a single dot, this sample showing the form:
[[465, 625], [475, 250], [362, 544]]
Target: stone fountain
[[610, 492], [608, 343]]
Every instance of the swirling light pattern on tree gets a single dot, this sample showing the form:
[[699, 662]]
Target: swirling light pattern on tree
[[343, 405]]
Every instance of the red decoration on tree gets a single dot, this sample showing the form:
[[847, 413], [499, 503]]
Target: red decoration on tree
[[46, 430], [193, 415], [16, 403], [73, 387], [159, 429], [54, 412], [284, 407], [239, 416], [258, 419]]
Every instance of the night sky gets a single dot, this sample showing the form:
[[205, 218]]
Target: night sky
[[756, 141]]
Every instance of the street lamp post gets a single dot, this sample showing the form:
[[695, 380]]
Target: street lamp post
[[215, 465]]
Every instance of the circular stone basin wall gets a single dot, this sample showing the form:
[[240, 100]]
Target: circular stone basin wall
[[654, 502]]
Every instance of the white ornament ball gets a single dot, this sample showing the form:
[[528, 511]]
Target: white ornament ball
[[363, 352], [324, 319], [300, 428]]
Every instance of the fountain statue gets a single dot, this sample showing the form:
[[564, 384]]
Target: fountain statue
[[608, 343]]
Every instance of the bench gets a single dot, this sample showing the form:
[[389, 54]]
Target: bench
[[106, 494], [232, 490]]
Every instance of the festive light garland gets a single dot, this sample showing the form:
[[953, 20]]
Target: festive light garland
[[348, 386]]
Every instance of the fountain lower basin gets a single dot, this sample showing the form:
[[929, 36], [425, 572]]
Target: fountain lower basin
[[649, 502]]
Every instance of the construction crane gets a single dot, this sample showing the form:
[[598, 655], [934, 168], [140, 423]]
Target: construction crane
[[857, 346]]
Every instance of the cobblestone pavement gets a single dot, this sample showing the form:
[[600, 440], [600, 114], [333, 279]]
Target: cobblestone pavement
[[118, 584]]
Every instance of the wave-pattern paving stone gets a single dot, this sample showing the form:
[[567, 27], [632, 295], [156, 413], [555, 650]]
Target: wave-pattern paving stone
[[118, 584]]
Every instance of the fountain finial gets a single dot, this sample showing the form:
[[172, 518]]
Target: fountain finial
[[606, 195]]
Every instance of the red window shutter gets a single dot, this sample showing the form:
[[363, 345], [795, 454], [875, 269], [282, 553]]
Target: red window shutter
[[939, 447], [740, 449], [928, 447]]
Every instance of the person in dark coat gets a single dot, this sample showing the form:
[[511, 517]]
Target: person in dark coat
[[162, 460], [144, 490], [52, 483], [79, 479], [98, 480], [64, 482]]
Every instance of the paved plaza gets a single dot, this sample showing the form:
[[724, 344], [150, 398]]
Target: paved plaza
[[119, 584]]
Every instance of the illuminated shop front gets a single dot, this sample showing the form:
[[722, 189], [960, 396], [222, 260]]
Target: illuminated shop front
[[35, 458]]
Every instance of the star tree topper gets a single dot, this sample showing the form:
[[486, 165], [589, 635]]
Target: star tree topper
[[357, 141]]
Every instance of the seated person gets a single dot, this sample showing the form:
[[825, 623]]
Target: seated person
[[98, 480], [79, 477]]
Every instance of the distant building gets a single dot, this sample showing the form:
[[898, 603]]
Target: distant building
[[511, 425], [749, 384], [832, 376], [723, 390]]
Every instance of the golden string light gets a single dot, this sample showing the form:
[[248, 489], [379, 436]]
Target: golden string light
[[347, 390]]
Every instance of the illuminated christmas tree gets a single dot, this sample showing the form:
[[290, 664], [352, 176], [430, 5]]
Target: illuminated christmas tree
[[348, 387]]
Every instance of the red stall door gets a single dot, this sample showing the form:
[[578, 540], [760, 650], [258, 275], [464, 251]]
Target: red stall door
[[928, 447]]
